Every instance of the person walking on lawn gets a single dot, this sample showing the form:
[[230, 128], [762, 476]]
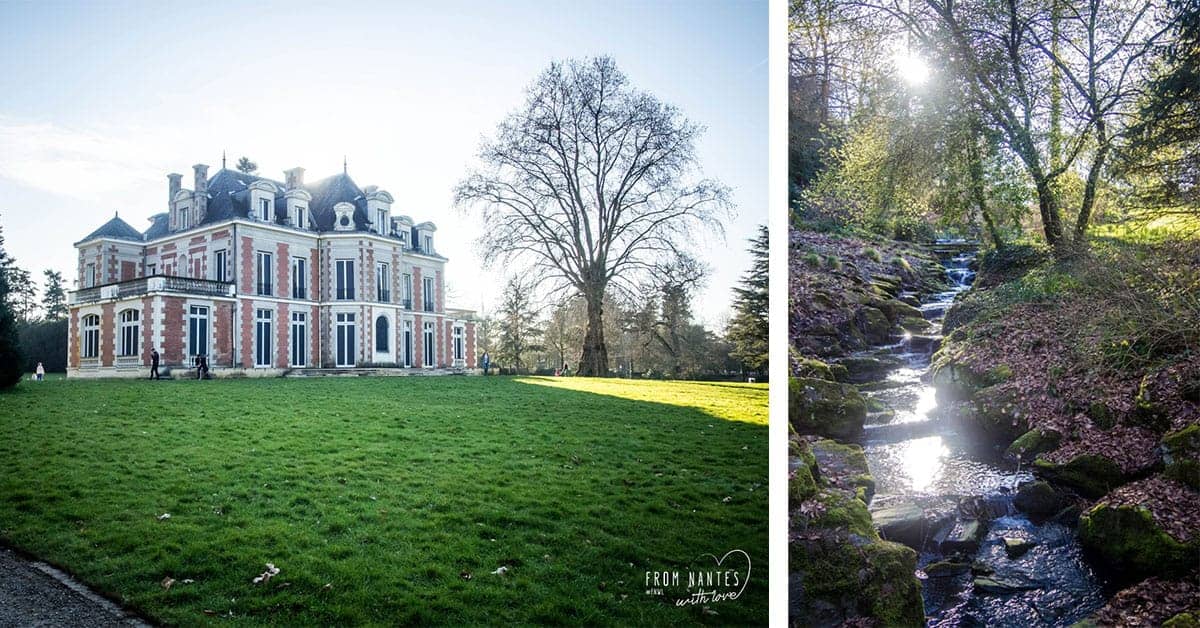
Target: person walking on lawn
[[40, 372], [154, 364]]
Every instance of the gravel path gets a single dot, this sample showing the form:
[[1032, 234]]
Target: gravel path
[[36, 594]]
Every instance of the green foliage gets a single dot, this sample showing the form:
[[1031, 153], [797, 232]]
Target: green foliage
[[1129, 539], [10, 352], [46, 342], [388, 489], [517, 327], [245, 165], [873, 254], [748, 329], [54, 296]]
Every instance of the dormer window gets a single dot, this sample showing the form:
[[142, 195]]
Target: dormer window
[[264, 209], [428, 244], [183, 218], [301, 218], [381, 220]]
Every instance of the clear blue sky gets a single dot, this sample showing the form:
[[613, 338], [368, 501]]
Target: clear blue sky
[[99, 101]]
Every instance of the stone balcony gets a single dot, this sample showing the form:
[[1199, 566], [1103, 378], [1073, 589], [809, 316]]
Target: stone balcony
[[152, 285]]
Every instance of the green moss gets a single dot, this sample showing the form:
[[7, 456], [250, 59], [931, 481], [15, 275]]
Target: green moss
[[1183, 620], [874, 324], [902, 263], [1101, 416], [817, 406], [843, 511], [997, 374], [839, 581], [1181, 453], [1129, 540], [810, 367], [1091, 475], [1032, 443], [812, 259], [946, 568], [914, 324], [872, 254], [802, 485]]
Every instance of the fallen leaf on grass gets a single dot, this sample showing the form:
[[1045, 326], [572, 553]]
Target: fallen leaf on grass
[[328, 586], [167, 582], [466, 575], [500, 571], [164, 516], [188, 581]]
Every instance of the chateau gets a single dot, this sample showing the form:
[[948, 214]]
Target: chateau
[[264, 277]]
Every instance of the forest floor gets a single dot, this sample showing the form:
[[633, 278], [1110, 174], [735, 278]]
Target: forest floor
[[462, 500]]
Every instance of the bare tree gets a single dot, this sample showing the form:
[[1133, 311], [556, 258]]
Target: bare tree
[[590, 184]]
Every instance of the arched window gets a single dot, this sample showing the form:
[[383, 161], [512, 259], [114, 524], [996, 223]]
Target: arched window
[[89, 340], [381, 334], [130, 331]]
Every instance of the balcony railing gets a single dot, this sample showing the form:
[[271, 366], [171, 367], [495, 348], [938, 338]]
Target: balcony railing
[[429, 306], [155, 283], [406, 304], [264, 289], [384, 296]]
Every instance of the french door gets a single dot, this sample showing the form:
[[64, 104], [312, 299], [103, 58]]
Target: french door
[[345, 339]]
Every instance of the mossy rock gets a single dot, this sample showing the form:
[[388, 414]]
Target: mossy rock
[[843, 511], [1038, 498], [802, 485], [956, 382], [946, 568], [1091, 475], [1032, 443], [1148, 411], [817, 406], [839, 581], [1129, 540], [874, 324], [810, 367], [860, 370], [998, 413], [1181, 455], [1183, 620], [1102, 417], [845, 465], [914, 324], [903, 523]]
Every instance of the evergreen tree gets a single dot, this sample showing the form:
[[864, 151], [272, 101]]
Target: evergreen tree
[[245, 165], [22, 293], [10, 357], [54, 296], [517, 323], [748, 330]]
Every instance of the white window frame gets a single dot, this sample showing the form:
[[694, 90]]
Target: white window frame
[[89, 336], [264, 209], [183, 218], [89, 275], [428, 242], [299, 277], [459, 343], [299, 339], [408, 344], [429, 337], [381, 216], [220, 265], [428, 298], [407, 287], [300, 219], [264, 319], [383, 287], [345, 330], [131, 331], [150, 268], [343, 283], [199, 329], [259, 285]]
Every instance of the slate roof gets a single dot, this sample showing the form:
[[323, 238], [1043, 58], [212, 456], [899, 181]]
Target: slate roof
[[116, 229], [160, 226]]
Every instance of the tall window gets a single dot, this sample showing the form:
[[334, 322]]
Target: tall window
[[427, 294], [345, 339], [458, 343], [220, 270], [89, 276], [301, 218], [408, 343], [406, 288], [151, 269], [344, 282], [381, 335], [263, 274], [262, 337], [299, 278], [89, 339], [183, 218], [197, 330], [299, 338], [429, 244], [381, 219], [428, 344], [264, 209], [130, 332], [383, 284]]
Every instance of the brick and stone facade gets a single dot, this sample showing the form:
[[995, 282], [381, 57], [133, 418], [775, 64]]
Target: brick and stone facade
[[264, 277]]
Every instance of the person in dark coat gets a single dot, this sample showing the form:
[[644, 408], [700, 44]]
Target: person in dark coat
[[154, 364], [201, 367]]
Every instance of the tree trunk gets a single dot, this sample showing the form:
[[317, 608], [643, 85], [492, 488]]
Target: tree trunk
[[1051, 221], [978, 192], [594, 361]]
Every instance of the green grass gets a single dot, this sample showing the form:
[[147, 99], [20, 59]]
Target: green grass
[[374, 495]]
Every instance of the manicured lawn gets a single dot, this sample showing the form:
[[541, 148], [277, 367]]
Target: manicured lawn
[[376, 497]]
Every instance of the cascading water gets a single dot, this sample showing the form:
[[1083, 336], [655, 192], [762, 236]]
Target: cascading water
[[919, 455]]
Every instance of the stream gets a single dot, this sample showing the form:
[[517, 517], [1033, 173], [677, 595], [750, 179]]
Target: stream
[[920, 455]]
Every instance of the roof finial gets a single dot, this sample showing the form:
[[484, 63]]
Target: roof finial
[[343, 164], [222, 159]]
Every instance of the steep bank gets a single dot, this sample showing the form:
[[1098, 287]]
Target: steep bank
[[1088, 371], [848, 293]]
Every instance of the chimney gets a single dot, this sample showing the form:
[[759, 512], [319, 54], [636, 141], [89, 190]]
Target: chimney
[[200, 188], [294, 178], [176, 181]]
